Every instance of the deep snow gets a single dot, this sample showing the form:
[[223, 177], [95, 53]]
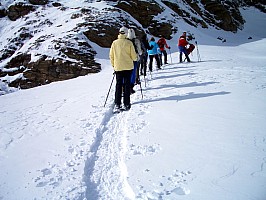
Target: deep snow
[[198, 133]]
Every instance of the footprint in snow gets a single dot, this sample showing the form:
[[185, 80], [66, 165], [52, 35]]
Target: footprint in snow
[[46, 172], [168, 186], [181, 191], [42, 184], [67, 138], [137, 127], [144, 150], [47, 178]]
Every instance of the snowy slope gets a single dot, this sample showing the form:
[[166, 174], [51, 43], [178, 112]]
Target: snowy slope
[[199, 131], [50, 30]]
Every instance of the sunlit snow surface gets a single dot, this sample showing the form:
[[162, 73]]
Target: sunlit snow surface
[[198, 133]]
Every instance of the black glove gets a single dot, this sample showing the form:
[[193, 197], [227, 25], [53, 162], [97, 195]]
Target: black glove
[[169, 47]]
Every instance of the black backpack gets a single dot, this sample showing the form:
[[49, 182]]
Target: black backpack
[[135, 46]]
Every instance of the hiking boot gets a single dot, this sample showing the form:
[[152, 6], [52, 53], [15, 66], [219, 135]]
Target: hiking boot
[[126, 107], [117, 108], [132, 91], [137, 82]]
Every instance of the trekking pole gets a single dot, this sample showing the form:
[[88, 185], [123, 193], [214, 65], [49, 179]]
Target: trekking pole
[[141, 90], [198, 54], [171, 56], [109, 90], [145, 81], [151, 74], [150, 71]]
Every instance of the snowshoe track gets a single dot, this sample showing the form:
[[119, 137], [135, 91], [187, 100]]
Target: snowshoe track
[[105, 169]]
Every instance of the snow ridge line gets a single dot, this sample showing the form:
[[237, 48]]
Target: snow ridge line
[[105, 173]]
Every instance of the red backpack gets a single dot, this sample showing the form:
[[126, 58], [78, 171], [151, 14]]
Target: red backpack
[[161, 43], [190, 48]]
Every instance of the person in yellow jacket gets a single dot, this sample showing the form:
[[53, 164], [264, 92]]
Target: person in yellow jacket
[[122, 54]]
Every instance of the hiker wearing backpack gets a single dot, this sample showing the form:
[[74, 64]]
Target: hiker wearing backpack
[[162, 45], [182, 43], [137, 46], [144, 57], [153, 53], [122, 54]]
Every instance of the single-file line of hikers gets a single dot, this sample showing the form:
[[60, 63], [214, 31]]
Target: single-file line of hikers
[[129, 58]]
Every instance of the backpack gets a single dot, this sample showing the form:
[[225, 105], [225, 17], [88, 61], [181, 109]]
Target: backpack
[[135, 46], [138, 46], [160, 43], [143, 48], [190, 48]]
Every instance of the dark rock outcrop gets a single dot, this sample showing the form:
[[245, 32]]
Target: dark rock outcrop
[[46, 70], [3, 12], [102, 29], [193, 21], [145, 12], [15, 43], [142, 11], [226, 16], [38, 2], [18, 10], [259, 4]]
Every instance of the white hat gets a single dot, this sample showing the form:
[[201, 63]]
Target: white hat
[[123, 30], [131, 34]]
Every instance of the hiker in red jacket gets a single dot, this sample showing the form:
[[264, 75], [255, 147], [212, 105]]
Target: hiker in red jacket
[[182, 43], [162, 43]]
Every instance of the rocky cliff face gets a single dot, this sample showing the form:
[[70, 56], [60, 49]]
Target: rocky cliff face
[[49, 40]]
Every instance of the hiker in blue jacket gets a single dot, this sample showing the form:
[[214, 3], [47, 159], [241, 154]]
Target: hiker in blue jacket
[[153, 53]]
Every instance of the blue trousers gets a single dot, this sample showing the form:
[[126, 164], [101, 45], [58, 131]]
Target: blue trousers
[[134, 73]]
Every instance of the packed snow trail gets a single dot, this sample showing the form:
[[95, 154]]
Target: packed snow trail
[[105, 171]]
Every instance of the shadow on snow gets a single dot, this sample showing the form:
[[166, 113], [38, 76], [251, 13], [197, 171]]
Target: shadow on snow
[[192, 84], [188, 96]]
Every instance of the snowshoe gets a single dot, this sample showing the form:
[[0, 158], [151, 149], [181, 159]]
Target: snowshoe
[[125, 107], [117, 109]]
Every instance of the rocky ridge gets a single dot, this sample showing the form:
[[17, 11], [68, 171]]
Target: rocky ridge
[[39, 47]]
